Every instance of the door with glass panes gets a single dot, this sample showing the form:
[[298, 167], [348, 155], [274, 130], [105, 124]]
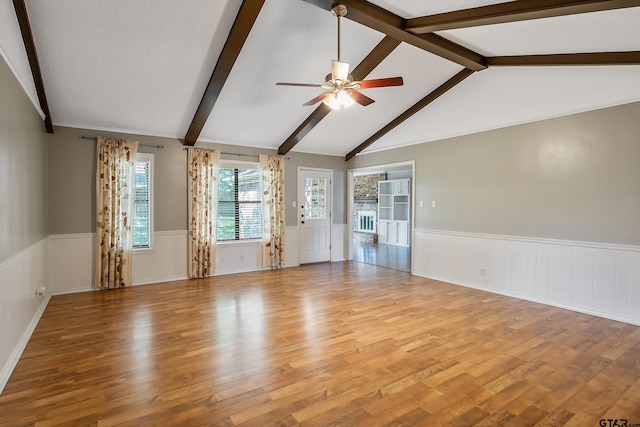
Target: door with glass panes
[[314, 215]]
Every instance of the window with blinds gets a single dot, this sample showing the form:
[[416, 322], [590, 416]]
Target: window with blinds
[[239, 204], [142, 215]]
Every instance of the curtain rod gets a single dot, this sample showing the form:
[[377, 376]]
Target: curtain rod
[[238, 154], [140, 145]]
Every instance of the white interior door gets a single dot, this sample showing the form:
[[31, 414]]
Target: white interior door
[[314, 215]]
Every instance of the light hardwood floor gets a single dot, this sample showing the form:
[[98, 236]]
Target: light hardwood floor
[[390, 256], [326, 344]]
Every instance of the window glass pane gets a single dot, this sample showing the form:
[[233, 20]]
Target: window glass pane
[[226, 185], [249, 185], [142, 204], [250, 221], [226, 221], [315, 195], [239, 204]]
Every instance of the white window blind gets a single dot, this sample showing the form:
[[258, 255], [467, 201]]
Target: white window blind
[[239, 204], [143, 206]]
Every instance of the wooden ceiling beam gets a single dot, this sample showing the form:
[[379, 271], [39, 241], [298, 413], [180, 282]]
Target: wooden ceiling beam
[[240, 30], [371, 61], [510, 12], [567, 59], [392, 25], [435, 94], [30, 47], [301, 131]]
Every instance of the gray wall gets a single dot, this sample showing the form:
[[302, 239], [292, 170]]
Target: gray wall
[[339, 167], [72, 179], [23, 169], [575, 177], [72, 168]]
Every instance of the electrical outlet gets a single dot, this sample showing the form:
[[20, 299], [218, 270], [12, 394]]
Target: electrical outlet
[[482, 272]]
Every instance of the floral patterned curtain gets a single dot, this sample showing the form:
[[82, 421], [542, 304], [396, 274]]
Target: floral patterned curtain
[[203, 207], [272, 168], [115, 187]]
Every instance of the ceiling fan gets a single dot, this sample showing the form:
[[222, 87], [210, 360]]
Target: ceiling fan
[[341, 88]]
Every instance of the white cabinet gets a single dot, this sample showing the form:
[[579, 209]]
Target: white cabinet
[[401, 186], [402, 233], [393, 232], [394, 208], [383, 231]]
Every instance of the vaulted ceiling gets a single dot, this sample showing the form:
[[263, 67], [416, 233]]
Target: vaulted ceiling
[[205, 70]]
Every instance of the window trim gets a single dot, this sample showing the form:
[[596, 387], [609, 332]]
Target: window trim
[[239, 164], [150, 157]]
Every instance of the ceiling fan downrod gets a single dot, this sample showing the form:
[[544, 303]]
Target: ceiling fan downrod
[[339, 10]]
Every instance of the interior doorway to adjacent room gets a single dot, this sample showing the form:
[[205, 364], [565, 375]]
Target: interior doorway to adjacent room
[[381, 215]]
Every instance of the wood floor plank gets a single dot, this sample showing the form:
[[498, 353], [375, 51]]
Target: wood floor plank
[[323, 344]]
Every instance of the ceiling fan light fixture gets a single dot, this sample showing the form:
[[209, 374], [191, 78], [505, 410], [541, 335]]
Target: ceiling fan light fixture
[[338, 100]]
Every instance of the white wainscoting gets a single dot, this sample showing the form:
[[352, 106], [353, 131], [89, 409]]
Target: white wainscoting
[[166, 262], [292, 252], [20, 308], [238, 257], [593, 278], [72, 261], [338, 241]]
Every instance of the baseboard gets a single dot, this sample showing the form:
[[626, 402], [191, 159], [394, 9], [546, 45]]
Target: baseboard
[[72, 291], [160, 280], [8, 368]]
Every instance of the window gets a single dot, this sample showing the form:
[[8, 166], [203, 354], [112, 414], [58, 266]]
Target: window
[[143, 206], [239, 203], [315, 198]]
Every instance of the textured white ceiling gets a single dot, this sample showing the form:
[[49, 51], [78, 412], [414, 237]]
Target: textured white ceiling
[[613, 30], [138, 66], [12, 50], [414, 8], [290, 42], [501, 97], [142, 66], [346, 129]]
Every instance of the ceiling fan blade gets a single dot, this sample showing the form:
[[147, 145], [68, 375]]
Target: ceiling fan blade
[[316, 99], [389, 81], [298, 84], [360, 98]]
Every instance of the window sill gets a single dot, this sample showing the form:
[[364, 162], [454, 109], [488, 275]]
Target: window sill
[[239, 242], [140, 251]]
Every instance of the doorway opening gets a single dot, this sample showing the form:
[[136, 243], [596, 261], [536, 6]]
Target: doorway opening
[[381, 215]]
